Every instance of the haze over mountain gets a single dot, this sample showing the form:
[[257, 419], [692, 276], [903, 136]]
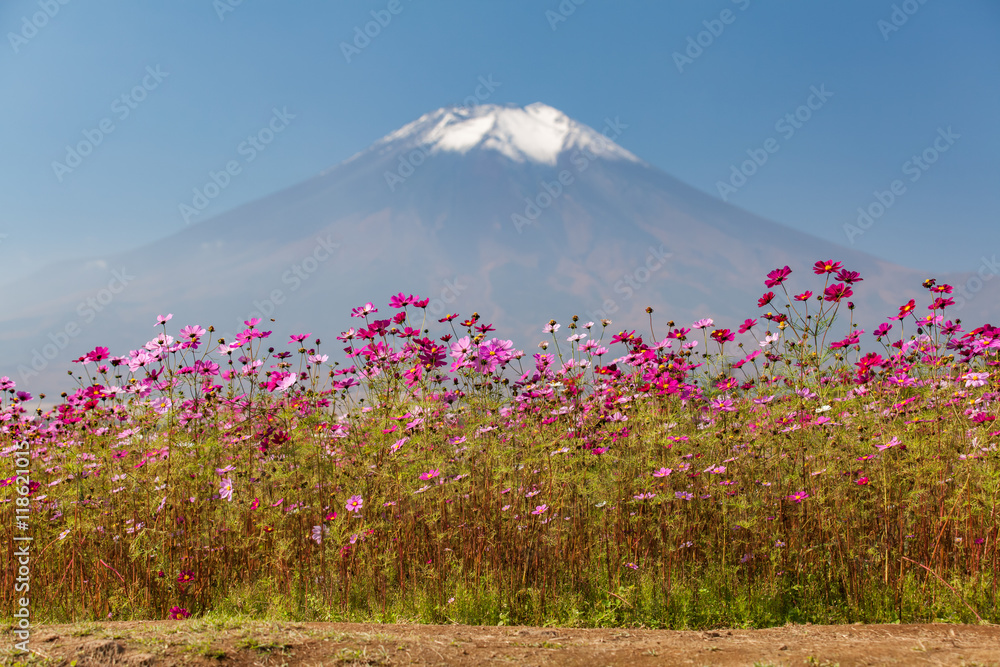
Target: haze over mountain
[[519, 213]]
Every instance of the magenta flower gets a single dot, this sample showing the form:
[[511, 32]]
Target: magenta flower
[[540, 509], [400, 300], [849, 276], [837, 292], [178, 613], [430, 474], [829, 266], [662, 472], [798, 496], [777, 277]]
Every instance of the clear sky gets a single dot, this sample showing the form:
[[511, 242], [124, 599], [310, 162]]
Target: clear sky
[[163, 93]]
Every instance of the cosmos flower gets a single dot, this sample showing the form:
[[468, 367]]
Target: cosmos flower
[[777, 277], [226, 489], [837, 292], [178, 613], [829, 266], [354, 504]]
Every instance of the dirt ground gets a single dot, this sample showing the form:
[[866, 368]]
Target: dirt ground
[[196, 642]]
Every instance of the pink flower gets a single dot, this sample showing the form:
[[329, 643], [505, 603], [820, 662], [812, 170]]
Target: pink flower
[[226, 489], [354, 504], [362, 311], [662, 472], [892, 443], [540, 509], [430, 474], [975, 379], [192, 331], [162, 319]]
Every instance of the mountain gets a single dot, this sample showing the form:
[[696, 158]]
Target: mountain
[[519, 213]]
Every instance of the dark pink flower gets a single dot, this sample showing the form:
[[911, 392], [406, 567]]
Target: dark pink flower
[[837, 292], [777, 277], [829, 266]]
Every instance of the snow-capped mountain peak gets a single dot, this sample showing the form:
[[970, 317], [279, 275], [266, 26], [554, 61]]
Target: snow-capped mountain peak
[[535, 133]]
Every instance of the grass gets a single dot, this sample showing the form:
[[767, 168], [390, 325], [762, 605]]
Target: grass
[[614, 481]]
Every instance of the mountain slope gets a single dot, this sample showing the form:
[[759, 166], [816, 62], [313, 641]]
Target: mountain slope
[[521, 214]]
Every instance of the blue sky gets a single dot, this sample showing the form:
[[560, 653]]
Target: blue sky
[[900, 77]]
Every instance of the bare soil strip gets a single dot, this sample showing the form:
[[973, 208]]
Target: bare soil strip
[[261, 643]]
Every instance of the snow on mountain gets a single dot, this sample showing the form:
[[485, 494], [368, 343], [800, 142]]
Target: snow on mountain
[[536, 133]]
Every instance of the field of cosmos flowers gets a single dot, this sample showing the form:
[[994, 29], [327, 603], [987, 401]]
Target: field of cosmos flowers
[[799, 469]]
